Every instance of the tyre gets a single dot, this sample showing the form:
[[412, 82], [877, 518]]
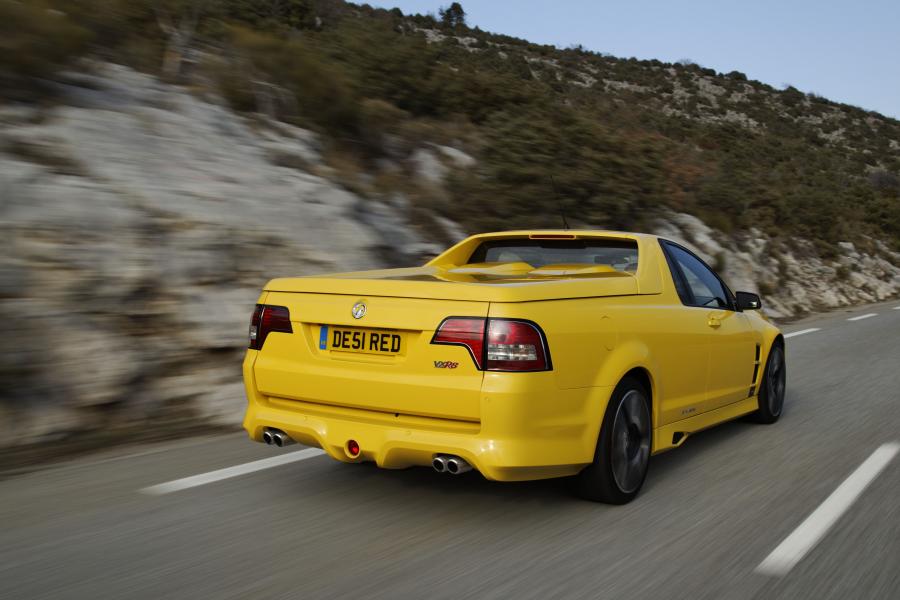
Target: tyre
[[623, 448], [771, 392]]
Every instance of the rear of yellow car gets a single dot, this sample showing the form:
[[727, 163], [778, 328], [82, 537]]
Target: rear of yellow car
[[445, 365], [405, 381], [523, 355]]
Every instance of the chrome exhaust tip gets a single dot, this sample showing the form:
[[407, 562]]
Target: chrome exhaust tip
[[440, 464], [457, 466], [267, 437], [281, 439]]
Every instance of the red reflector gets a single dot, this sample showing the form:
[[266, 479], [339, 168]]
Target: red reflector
[[463, 331], [266, 320], [515, 346], [353, 448]]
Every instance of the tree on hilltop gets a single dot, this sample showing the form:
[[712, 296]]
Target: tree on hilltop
[[453, 16]]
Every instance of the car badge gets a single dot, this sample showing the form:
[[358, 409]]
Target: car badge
[[359, 310]]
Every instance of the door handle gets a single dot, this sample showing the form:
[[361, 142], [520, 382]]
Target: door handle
[[714, 322]]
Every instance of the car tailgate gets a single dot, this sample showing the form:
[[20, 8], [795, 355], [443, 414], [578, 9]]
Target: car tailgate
[[399, 372]]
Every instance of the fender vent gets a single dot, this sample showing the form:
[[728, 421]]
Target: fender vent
[[755, 372]]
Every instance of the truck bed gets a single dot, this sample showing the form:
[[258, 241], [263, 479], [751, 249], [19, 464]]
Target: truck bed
[[478, 284]]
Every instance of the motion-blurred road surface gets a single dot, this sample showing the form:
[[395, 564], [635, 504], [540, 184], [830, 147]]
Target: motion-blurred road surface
[[709, 515]]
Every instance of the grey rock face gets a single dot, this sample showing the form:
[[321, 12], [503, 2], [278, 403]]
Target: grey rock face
[[139, 224]]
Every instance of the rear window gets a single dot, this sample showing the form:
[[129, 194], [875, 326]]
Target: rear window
[[622, 255]]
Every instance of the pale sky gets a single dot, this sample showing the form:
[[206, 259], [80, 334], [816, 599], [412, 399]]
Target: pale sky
[[843, 50]]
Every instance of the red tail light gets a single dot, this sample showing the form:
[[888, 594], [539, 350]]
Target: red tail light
[[463, 331], [515, 346], [511, 345], [266, 320]]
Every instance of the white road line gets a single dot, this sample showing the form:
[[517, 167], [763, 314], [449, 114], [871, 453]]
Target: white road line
[[229, 472], [897, 308], [801, 332], [807, 535], [861, 317]]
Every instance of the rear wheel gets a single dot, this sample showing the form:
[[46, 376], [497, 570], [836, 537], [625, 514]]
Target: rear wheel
[[623, 449], [772, 387]]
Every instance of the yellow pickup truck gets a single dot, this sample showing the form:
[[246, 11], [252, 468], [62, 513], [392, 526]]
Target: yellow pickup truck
[[522, 355]]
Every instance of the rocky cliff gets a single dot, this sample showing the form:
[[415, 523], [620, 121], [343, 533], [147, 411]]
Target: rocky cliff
[[138, 226]]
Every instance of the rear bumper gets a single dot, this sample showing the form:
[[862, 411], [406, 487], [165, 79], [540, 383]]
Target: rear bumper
[[529, 428]]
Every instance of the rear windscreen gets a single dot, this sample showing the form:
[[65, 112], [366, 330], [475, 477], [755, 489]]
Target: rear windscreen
[[619, 254]]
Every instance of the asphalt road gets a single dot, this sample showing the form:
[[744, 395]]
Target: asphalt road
[[709, 514]]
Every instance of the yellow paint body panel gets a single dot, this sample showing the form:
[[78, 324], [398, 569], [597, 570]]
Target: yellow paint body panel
[[600, 324]]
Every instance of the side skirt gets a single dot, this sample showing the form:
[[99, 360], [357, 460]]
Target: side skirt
[[673, 435]]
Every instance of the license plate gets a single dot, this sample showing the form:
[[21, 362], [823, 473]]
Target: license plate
[[366, 341]]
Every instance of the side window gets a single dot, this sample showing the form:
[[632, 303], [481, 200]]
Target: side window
[[703, 287]]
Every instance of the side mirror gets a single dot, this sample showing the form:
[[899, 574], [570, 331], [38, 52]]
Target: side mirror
[[748, 301]]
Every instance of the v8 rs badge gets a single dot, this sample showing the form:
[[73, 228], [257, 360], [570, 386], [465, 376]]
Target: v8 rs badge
[[445, 364]]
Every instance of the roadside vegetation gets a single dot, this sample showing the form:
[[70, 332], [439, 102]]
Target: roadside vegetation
[[620, 138]]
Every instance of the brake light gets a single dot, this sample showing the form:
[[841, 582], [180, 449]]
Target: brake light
[[511, 345], [552, 236], [268, 319], [463, 331], [515, 346]]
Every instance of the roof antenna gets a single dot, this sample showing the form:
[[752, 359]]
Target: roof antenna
[[562, 213]]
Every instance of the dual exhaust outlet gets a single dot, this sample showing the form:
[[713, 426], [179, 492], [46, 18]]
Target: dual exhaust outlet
[[447, 463], [442, 463], [275, 437]]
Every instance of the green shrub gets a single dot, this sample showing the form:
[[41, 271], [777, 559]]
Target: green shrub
[[36, 40], [297, 81], [271, 14], [601, 178]]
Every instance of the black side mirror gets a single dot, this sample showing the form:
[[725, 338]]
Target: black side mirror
[[748, 301]]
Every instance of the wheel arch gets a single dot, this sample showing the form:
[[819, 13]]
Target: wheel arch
[[645, 378], [632, 358], [770, 340], [642, 374], [638, 372]]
